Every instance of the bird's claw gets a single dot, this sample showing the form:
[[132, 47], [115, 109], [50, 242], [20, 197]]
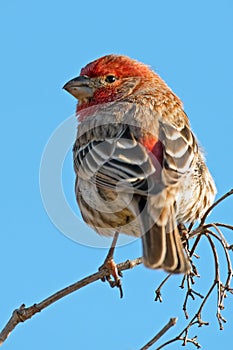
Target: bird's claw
[[110, 268]]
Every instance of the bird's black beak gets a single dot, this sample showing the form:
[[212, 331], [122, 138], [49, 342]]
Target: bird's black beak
[[80, 87]]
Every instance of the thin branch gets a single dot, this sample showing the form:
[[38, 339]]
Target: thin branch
[[189, 294], [170, 324], [230, 227], [184, 339], [195, 245], [158, 295], [225, 246], [24, 313], [215, 204]]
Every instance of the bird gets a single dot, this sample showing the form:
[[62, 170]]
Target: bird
[[139, 168]]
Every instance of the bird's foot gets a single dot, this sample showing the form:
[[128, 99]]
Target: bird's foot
[[112, 275]]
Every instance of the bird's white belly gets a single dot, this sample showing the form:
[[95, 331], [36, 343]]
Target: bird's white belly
[[115, 208]]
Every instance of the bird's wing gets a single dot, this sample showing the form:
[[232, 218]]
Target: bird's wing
[[179, 149], [179, 152], [162, 245], [120, 161]]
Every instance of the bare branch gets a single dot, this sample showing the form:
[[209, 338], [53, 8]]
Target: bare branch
[[158, 295], [170, 324], [24, 313], [215, 204], [185, 340]]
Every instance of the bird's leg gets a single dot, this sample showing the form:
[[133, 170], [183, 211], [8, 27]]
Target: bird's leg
[[109, 266], [184, 233]]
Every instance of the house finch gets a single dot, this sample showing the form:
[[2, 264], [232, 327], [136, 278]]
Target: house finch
[[139, 169]]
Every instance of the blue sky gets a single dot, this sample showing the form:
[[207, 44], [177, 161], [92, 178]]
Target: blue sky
[[43, 45]]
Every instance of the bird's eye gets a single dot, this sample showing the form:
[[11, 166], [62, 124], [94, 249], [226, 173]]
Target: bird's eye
[[110, 79]]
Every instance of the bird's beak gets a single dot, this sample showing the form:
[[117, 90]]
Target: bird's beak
[[80, 87]]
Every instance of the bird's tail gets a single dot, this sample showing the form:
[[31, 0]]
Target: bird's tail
[[162, 246]]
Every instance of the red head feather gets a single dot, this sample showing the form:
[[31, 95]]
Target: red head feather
[[121, 66]]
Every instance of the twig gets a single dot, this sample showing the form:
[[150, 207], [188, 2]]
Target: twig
[[189, 294], [214, 205], [185, 341], [230, 227], [158, 295], [226, 247], [24, 313], [170, 324], [195, 245], [220, 287]]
